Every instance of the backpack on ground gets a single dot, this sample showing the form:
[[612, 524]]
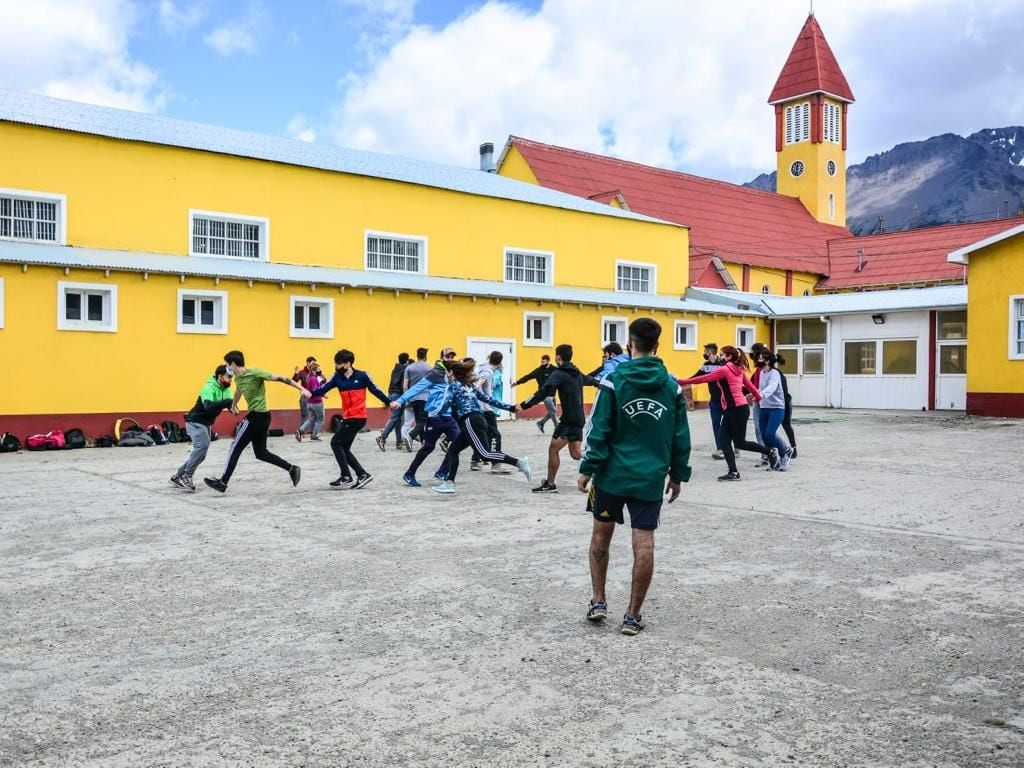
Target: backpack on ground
[[106, 441], [124, 425], [174, 432], [9, 443], [51, 441], [156, 432], [74, 438], [133, 439]]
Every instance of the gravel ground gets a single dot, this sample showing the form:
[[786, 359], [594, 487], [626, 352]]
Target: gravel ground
[[865, 609]]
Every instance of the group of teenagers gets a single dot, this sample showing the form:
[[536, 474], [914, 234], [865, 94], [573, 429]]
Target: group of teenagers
[[636, 437]]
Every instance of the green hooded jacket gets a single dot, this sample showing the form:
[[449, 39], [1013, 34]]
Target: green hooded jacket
[[638, 432]]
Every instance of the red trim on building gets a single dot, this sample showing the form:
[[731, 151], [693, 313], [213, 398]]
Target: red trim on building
[[1005, 404], [779, 128], [746, 277], [844, 126], [817, 119], [933, 321], [789, 282]]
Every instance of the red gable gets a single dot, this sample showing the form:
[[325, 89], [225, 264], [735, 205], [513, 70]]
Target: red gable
[[738, 224], [811, 68], [902, 258]]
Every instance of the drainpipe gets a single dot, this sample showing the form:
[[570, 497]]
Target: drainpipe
[[828, 363]]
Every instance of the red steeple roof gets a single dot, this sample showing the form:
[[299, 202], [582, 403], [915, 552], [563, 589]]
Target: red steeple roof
[[810, 68]]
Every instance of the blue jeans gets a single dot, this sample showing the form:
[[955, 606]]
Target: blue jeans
[[715, 407], [770, 420], [395, 422]]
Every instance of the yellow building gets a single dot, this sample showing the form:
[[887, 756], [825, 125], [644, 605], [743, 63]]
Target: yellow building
[[135, 250]]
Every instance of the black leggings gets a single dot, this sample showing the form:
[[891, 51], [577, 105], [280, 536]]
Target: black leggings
[[253, 429], [341, 444], [475, 432], [733, 431], [787, 425]]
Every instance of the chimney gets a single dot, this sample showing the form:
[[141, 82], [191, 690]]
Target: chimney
[[487, 157]]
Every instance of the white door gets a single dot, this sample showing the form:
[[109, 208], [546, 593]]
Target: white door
[[480, 349], [805, 375], [951, 360]]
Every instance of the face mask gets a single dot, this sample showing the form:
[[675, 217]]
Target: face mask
[[231, 370]]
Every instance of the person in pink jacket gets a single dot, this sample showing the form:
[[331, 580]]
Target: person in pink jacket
[[736, 387]]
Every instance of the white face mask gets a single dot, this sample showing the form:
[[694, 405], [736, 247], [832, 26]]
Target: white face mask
[[231, 370]]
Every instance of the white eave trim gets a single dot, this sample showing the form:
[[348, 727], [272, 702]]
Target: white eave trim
[[843, 99], [961, 255]]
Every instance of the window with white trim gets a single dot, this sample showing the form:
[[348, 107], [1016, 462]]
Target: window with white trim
[[538, 329], [202, 311], [395, 253], [684, 335], [833, 123], [35, 217], [1017, 327], [634, 278], [613, 329], [798, 122], [311, 318], [744, 336], [86, 307], [228, 235], [533, 267]]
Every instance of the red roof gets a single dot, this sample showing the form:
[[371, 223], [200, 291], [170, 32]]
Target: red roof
[[900, 258], [738, 224], [810, 68]]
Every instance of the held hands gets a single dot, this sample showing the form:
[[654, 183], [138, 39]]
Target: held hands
[[305, 392], [234, 409], [393, 405], [672, 489], [582, 482]]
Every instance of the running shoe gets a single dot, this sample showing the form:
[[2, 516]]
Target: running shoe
[[408, 445], [718, 455], [540, 427], [785, 459], [500, 469], [546, 487], [792, 453], [523, 465], [773, 458], [442, 476], [381, 442], [598, 610], [411, 480], [177, 481], [762, 463], [730, 476], [315, 437], [631, 625], [445, 486], [298, 435], [216, 483], [340, 481], [295, 473], [361, 482], [476, 466], [444, 443], [186, 480]]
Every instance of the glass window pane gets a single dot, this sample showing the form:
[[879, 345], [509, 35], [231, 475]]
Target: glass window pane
[[813, 331], [314, 318], [953, 325], [206, 312], [95, 307], [300, 317], [814, 361], [953, 358], [859, 358], [899, 358], [787, 331], [188, 311], [73, 306], [788, 362]]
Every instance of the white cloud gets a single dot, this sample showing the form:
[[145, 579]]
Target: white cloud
[[175, 20], [241, 35], [76, 51], [299, 128], [675, 84]]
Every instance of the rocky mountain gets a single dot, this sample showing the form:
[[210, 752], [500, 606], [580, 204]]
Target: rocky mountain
[[941, 180]]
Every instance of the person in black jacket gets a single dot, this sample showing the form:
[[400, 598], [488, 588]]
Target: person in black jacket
[[395, 388], [713, 360], [213, 398], [540, 374], [567, 381]]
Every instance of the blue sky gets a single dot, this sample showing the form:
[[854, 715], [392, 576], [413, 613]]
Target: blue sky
[[675, 83]]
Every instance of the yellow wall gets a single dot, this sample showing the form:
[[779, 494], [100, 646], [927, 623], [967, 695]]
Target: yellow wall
[[996, 273], [776, 278], [147, 366], [514, 166], [815, 185], [134, 196]]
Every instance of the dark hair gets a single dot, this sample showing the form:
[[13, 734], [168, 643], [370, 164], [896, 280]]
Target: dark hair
[[344, 356], [738, 356], [463, 370], [546, 357], [564, 351], [234, 357], [421, 353], [221, 370], [495, 358], [757, 347], [612, 348], [765, 355], [712, 346], [644, 332], [779, 358], [310, 359], [403, 358]]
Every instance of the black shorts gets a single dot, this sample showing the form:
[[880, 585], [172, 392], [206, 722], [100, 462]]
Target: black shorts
[[570, 432], [607, 508]]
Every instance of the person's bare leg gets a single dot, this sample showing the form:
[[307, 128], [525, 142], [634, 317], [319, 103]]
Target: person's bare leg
[[643, 569], [574, 450], [554, 461], [600, 543]]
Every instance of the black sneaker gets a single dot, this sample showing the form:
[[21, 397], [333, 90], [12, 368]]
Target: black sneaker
[[444, 443], [730, 476], [175, 480], [546, 487], [773, 458], [186, 481], [216, 483], [792, 453], [340, 481], [540, 427], [361, 482], [476, 466], [381, 442], [295, 473]]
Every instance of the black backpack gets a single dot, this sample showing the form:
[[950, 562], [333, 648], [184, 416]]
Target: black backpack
[[174, 433], [9, 443], [106, 441], [156, 432], [74, 438]]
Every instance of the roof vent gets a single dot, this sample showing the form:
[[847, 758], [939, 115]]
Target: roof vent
[[487, 157]]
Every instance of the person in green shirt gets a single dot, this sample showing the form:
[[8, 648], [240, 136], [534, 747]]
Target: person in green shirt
[[638, 434], [250, 384]]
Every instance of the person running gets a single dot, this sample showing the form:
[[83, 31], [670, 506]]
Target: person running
[[213, 398], [352, 384], [736, 411], [250, 384], [567, 381], [612, 357], [300, 375], [465, 402], [756, 351], [787, 420], [314, 420], [772, 408], [540, 375], [712, 360], [439, 420], [413, 375], [488, 377], [638, 434], [395, 389]]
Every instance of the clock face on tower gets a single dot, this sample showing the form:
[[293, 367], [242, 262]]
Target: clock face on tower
[[831, 167], [797, 168]]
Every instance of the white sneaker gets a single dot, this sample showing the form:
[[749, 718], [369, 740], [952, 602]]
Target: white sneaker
[[785, 459], [445, 486], [523, 465]]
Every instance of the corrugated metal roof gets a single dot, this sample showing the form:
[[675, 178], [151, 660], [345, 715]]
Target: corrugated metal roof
[[298, 274], [18, 107], [962, 256], [861, 302]]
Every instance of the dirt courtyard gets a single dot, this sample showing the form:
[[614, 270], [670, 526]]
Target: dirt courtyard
[[864, 609]]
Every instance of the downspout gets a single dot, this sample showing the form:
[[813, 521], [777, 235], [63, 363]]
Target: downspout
[[828, 363]]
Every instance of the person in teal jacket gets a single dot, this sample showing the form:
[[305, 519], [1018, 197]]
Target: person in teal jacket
[[638, 434]]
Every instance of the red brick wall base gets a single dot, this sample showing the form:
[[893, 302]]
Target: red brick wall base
[[1007, 404]]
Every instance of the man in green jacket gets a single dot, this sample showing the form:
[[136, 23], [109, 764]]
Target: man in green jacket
[[213, 398], [638, 433]]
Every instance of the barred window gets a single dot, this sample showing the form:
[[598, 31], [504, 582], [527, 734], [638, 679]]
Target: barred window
[[226, 237], [833, 123], [528, 267], [634, 278], [393, 253], [24, 218]]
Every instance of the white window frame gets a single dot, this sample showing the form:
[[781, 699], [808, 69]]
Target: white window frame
[[326, 308], [1015, 300], [753, 336], [692, 345], [652, 280], [235, 218], [548, 341], [61, 235], [421, 239], [108, 325], [220, 328], [832, 130], [549, 271], [622, 323]]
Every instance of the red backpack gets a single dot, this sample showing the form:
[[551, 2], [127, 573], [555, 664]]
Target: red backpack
[[48, 442]]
